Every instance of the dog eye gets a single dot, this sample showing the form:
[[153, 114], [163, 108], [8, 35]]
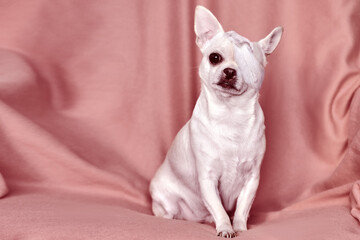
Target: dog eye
[[215, 58]]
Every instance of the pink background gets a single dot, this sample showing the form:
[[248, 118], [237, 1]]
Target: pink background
[[92, 94]]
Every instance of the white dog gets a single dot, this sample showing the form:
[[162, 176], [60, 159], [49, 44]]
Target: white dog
[[213, 165]]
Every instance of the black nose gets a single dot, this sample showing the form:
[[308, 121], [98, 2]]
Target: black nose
[[230, 73]]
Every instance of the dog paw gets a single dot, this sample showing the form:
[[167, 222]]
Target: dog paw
[[239, 227], [226, 232]]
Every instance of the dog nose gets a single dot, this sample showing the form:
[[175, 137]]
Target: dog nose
[[230, 73]]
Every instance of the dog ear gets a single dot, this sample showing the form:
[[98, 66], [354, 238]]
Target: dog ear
[[270, 42], [206, 26]]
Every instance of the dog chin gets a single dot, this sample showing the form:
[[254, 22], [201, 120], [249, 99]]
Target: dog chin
[[230, 90]]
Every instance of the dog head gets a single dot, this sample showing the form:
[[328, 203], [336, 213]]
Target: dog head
[[231, 64]]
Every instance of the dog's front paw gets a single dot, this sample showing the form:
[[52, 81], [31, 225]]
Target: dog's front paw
[[225, 231], [239, 226], [226, 234]]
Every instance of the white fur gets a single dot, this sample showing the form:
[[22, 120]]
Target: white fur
[[213, 164]]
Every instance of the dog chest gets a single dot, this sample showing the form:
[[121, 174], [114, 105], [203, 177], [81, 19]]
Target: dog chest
[[227, 134], [234, 146]]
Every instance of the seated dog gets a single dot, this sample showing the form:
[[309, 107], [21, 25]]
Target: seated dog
[[213, 165]]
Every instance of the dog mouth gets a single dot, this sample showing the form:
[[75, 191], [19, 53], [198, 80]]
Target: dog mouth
[[229, 87], [226, 85]]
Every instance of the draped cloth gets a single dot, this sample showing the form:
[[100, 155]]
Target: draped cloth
[[92, 93]]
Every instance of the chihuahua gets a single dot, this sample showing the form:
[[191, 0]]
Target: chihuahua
[[213, 165]]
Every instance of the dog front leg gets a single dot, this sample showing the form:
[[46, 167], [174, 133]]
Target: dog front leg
[[211, 198], [243, 204]]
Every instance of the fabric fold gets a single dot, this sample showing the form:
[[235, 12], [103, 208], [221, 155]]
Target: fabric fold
[[354, 152], [355, 200], [3, 187]]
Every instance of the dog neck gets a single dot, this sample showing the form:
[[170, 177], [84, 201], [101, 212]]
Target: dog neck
[[220, 107]]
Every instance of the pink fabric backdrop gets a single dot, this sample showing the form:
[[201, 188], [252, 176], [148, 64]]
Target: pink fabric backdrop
[[93, 92]]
